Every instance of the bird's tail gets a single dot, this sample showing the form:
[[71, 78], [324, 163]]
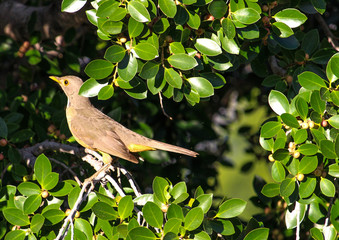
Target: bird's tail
[[171, 148]]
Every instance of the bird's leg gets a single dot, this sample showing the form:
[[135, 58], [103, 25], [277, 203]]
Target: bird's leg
[[107, 159]]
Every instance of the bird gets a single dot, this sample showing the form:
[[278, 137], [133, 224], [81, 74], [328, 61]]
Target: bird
[[94, 130]]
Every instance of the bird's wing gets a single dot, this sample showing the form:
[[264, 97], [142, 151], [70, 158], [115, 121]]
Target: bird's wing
[[94, 134]]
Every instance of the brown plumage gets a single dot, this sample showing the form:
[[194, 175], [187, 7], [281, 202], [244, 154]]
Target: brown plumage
[[95, 130]]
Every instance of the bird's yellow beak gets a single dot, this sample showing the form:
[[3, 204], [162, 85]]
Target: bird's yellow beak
[[54, 78]]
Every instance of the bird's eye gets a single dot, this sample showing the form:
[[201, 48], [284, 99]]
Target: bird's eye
[[66, 82]]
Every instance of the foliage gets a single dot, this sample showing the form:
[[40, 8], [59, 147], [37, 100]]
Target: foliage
[[33, 207], [177, 50]]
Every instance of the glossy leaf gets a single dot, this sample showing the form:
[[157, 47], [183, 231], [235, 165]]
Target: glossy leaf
[[278, 102], [50, 181], [230, 46], [141, 233], [301, 107], [153, 214], [172, 225], [15, 216], [291, 217], [125, 207], [175, 211], [327, 149], [72, 6], [182, 61], [270, 129], [327, 187], [308, 149], [110, 9], [300, 136], [282, 30], [138, 11], [308, 164], [271, 190], [193, 20], [290, 120], [204, 202], [317, 103], [168, 7], [160, 188], [311, 81], [306, 188], [28, 188], [287, 187], [53, 216], [146, 51], [333, 170], [278, 171], [193, 219], [128, 67], [134, 28], [37, 222], [246, 15], [202, 86], [334, 121], [32, 203], [216, 79], [291, 17], [42, 167], [231, 208], [99, 69], [106, 92], [257, 234], [115, 53], [104, 211], [228, 27], [173, 78], [207, 46], [217, 9], [90, 88]]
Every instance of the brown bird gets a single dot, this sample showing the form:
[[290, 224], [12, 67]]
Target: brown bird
[[94, 130]]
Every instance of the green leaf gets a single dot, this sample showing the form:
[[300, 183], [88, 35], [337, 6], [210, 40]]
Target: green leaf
[[173, 78], [278, 102], [160, 187], [175, 211], [216, 79], [228, 27], [61, 189], [291, 217], [290, 120], [28, 188], [308, 164], [16, 235], [335, 97], [50, 181], [32, 203], [270, 129], [310, 42], [207, 46], [104, 211], [327, 187], [34, 56], [178, 189], [125, 207], [282, 30], [334, 121], [257, 234], [202, 236], [146, 51], [53, 216], [172, 225], [138, 11], [111, 27], [139, 90], [311, 81], [37, 222], [217, 9], [21, 136], [128, 67], [85, 227], [327, 149], [15, 216], [246, 15], [266, 144], [308, 149], [135, 28], [42, 168], [149, 70], [72, 6], [278, 171], [115, 53], [320, 6], [193, 219], [202, 86], [230, 46], [153, 214], [300, 136], [157, 83], [182, 61], [193, 20], [110, 9], [287, 187], [317, 103], [271, 190], [141, 233], [220, 62], [106, 92], [301, 107], [306, 188], [231, 208], [176, 47], [204, 202], [333, 170], [90, 88], [99, 69], [291, 17], [168, 7]]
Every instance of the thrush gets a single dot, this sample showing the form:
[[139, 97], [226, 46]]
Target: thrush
[[94, 130]]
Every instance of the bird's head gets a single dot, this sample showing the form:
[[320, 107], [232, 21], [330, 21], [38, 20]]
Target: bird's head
[[71, 86]]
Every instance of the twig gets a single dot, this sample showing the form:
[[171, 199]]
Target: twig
[[67, 168], [131, 180], [82, 196], [162, 107], [330, 36]]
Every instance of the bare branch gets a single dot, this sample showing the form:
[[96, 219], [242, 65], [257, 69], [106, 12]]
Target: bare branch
[[330, 36]]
